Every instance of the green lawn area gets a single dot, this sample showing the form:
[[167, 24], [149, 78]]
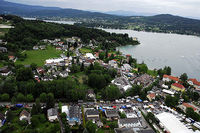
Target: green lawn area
[[85, 50], [3, 31], [152, 73], [39, 56]]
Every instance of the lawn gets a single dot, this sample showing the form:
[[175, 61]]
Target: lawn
[[85, 50], [3, 31], [39, 56]]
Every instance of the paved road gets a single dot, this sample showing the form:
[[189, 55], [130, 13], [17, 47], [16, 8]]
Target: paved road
[[62, 128], [77, 50]]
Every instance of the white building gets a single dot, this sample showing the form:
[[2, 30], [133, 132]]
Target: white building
[[90, 56], [52, 114], [129, 123]]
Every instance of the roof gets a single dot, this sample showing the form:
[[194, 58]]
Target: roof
[[195, 82], [152, 95], [146, 131], [189, 106], [128, 120], [92, 112], [172, 124], [111, 113], [178, 85], [124, 130], [24, 112], [52, 112], [168, 91], [2, 117], [171, 77]]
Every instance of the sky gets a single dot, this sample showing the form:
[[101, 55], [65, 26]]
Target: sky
[[187, 8]]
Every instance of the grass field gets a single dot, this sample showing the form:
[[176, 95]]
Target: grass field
[[3, 31], [39, 56], [85, 50]]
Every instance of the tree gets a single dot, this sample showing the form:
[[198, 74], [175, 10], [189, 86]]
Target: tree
[[122, 115], [50, 101], [5, 97], [24, 74], [20, 97], [111, 92], [142, 68], [43, 97], [29, 98], [184, 77], [82, 67], [96, 81], [190, 113], [171, 101], [91, 127], [33, 66], [101, 55]]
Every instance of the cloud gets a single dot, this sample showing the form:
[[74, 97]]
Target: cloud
[[177, 7]]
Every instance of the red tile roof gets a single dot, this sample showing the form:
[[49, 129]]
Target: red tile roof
[[171, 77], [178, 85], [195, 82], [152, 95], [189, 106]]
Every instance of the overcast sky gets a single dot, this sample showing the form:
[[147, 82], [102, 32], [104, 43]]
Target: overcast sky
[[188, 8]]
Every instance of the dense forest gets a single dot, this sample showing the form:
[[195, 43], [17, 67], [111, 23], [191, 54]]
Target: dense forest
[[27, 33]]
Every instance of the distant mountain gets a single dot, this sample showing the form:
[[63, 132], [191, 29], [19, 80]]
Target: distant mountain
[[129, 13]]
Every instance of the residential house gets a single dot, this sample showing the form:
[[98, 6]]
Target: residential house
[[2, 119], [5, 71], [177, 87], [144, 80], [12, 58], [52, 114], [58, 48], [145, 131], [25, 115], [35, 47], [184, 106], [126, 68], [90, 56], [90, 94], [42, 47], [124, 130], [113, 63], [40, 70], [92, 114], [129, 123], [74, 115], [129, 112], [64, 74], [99, 124], [151, 96], [195, 83], [111, 114], [3, 49], [122, 83], [65, 110], [168, 78]]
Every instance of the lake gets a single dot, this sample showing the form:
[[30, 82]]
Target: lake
[[180, 52]]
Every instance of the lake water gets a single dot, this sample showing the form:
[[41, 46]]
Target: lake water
[[180, 52]]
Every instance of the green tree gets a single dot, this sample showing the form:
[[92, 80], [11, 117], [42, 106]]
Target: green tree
[[101, 55], [91, 127], [5, 97], [29, 98], [184, 77], [20, 97], [24, 74], [111, 92], [50, 101], [43, 97], [171, 101]]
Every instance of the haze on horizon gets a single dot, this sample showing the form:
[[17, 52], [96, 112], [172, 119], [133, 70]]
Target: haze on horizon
[[186, 8]]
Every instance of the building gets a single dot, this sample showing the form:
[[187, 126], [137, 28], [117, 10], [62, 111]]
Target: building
[[126, 68], [90, 56], [151, 96], [65, 110], [171, 123], [52, 114], [92, 114], [90, 94], [129, 112], [74, 115], [24, 115], [144, 80], [3, 49], [168, 78], [113, 63], [129, 123], [5, 71], [35, 47], [184, 106], [124, 130], [195, 83], [122, 83], [111, 114], [177, 87], [2, 119]]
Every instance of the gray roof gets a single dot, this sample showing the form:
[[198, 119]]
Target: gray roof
[[128, 120], [52, 112], [74, 112], [111, 113], [124, 130], [146, 131], [92, 112]]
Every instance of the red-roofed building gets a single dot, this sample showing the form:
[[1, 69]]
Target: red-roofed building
[[195, 83], [169, 78], [184, 106], [151, 96], [177, 87]]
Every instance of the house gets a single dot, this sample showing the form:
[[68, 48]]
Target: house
[[168, 78], [122, 83], [74, 115], [2, 119], [124, 130], [151, 96], [42, 47], [99, 124], [92, 114], [90, 94], [177, 87], [126, 67], [111, 114], [195, 83], [52, 114], [3, 49], [113, 63], [144, 80], [184, 106], [58, 48], [40, 70], [11, 57], [5, 71], [129, 123], [129, 112], [35, 47], [25, 115], [90, 56], [65, 110], [145, 131], [64, 74]]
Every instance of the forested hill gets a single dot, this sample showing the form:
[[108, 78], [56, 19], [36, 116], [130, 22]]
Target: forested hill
[[27, 33]]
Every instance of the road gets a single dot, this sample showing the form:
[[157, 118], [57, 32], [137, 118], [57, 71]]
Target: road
[[62, 128], [78, 54]]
